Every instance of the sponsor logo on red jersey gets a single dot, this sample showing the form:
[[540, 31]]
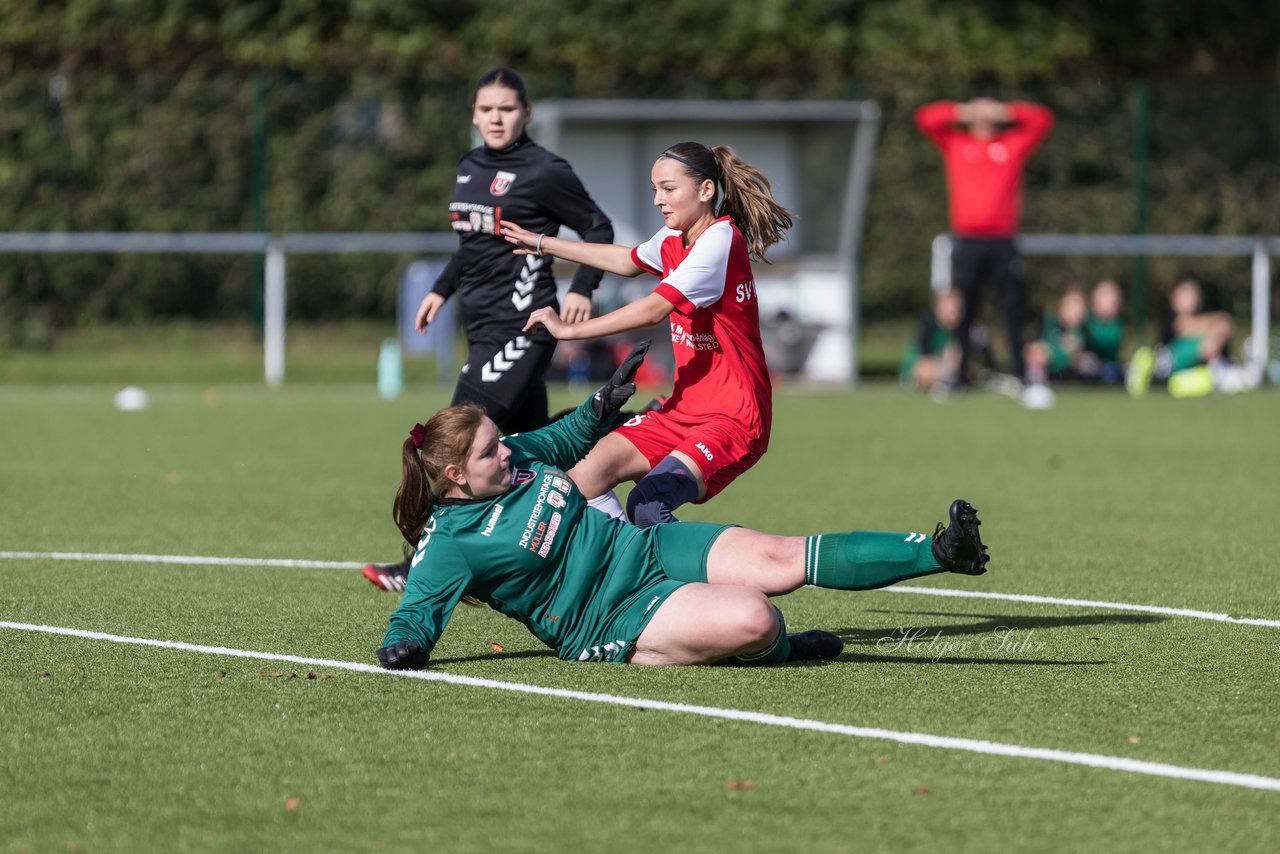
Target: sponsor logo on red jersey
[[693, 340]]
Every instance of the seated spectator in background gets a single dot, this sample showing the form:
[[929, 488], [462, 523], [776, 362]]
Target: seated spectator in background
[[1192, 335], [1080, 341], [1192, 356], [1103, 334], [1057, 352], [933, 357]]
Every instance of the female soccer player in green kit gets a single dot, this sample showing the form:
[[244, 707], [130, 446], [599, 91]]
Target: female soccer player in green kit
[[497, 519]]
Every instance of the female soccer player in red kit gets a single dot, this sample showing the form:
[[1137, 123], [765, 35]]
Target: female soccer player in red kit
[[716, 423]]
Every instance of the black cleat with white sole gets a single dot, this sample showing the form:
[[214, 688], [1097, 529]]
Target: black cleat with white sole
[[814, 645], [958, 547]]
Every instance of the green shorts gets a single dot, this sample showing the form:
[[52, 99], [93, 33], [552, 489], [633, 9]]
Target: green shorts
[[647, 566], [682, 548], [1185, 352]]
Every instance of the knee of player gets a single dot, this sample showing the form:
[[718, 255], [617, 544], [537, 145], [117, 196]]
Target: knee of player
[[654, 499], [756, 619], [645, 510]]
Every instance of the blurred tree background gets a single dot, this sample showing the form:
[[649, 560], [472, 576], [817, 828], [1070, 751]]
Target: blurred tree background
[[152, 115]]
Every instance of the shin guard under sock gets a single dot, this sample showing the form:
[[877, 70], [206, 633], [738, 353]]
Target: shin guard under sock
[[865, 560]]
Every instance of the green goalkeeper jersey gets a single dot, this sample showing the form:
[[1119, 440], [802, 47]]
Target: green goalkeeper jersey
[[583, 582]]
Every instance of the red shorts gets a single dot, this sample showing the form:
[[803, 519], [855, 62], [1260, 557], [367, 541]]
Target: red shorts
[[721, 448]]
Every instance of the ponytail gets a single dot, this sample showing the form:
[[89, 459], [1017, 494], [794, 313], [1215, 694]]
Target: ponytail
[[749, 202], [414, 500], [444, 440]]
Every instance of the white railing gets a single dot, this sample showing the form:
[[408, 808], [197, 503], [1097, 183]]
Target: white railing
[[1260, 249], [274, 246]]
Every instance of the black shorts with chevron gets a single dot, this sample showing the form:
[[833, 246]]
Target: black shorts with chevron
[[506, 378]]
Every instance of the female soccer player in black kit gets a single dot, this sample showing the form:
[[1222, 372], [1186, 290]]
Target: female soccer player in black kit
[[508, 177]]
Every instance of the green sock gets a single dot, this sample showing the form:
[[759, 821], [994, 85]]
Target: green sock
[[775, 653], [865, 560]]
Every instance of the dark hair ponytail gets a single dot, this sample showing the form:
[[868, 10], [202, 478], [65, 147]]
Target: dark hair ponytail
[[444, 440], [748, 196], [414, 500], [507, 78], [748, 199]]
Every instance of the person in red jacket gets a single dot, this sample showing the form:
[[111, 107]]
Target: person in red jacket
[[985, 144]]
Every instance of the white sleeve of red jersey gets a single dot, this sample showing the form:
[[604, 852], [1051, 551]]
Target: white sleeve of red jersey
[[648, 255], [701, 276]]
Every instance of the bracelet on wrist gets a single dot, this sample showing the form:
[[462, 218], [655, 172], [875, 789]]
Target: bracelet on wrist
[[538, 248]]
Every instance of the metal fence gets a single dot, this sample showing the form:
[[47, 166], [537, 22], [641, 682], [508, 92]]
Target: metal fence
[[275, 248]]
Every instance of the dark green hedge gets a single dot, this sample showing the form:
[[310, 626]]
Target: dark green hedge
[[141, 116]]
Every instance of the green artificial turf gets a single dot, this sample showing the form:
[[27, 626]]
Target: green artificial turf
[[114, 747]]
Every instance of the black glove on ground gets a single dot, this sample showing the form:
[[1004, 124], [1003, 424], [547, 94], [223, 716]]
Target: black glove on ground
[[618, 390], [403, 655]]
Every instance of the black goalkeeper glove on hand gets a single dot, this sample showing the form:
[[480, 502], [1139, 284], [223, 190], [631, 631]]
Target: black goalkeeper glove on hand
[[618, 390], [403, 655]]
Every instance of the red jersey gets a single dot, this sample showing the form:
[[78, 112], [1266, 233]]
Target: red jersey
[[985, 176], [720, 370]]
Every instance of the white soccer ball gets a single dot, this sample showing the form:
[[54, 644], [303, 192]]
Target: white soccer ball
[[131, 399], [1038, 397]]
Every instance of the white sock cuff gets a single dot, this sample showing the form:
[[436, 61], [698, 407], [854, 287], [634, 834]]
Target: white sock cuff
[[608, 503]]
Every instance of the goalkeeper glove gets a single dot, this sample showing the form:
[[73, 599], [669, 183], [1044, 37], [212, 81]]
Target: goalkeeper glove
[[618, 390], [403, 655]]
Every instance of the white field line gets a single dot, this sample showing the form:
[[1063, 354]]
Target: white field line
[[190, 560], [194, 560], [1085, 603], [1092, 760]]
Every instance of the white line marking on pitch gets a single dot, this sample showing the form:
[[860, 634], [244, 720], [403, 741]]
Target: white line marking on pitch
[[194, 560], [1092, 760], [1083, 603]]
